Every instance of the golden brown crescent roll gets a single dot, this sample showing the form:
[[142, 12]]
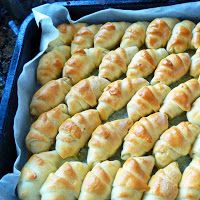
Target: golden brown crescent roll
[[115, 63], [164, 183], [51, 64], [85, 94], [110, 34], [65, 183], [106, 139], [195, 64], [98, 182], [82, 63], [190, 182], [131, 180], [43, 131], [171, 68], [181, 37], [174, 143], [147, 100], [145, 62], [75, 132], [159, 32], [117, 94], [143, 135], [35, 172], [181, 98], [49, 96], [135, 35], [196, 36]]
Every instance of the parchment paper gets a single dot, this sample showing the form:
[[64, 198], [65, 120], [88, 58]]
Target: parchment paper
[[49, 15]]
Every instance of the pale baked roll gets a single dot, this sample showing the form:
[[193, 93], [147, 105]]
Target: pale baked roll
[[106, 139], [65, 183], [175, 143], [75, 132], [49, 96], [164, 183], [143, 135], [196, 36], [171, 68], [159, 32], [85, 94], [43, 131], [131, 180], [147, 100], [195, 64], [117, 94], [110, 34], [98, 182], [114, 64], [180, 98], [181, 37], [135, 35], [145, 62], [195, 151]]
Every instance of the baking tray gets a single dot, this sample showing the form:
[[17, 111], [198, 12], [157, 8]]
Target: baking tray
[[27, 46]]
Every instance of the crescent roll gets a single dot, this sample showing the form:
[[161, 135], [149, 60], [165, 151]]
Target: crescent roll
[[35, 172], [145, 62], [75, 132], [65, 183], [82, 63], [196, 36], [114, 64], [84, 38], [106, 139], [43, 131], [159, 32], [175, 143], [134, 35], [110, 34], [181, 98], [195, 151], [181, 37], [147, 100], [98, 182], [131, 180], [143, 135], [171, 68], [85, 94], [195, 64], [49, 96], [164, 183], [190, 182], [117, 94]]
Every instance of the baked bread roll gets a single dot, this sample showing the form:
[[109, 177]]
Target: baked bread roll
[[65, 183], [164, 183], [181, 37], [106, 139], [98, 182], [171, 68], [159, 32], [190, 182], [145, 62], [195, 64], [143, 135], [75, 132], [181, 98], [51, 64], [115, 63], [196, 36], [110, 34], [175, 143], [117, 94], [82, 63], [195, 151], [49, 96], [131, 180], [43, 131], [194, 114], [147, 100], [35, 172], [85, 94], [134, 35], [84, 38]]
